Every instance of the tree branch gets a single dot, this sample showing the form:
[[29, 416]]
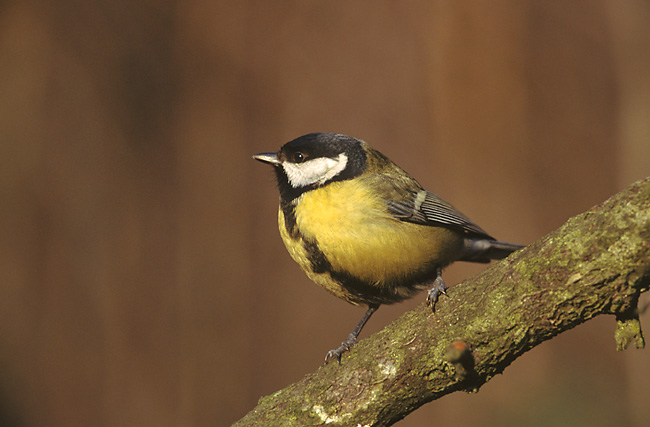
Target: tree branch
[[596, 263]]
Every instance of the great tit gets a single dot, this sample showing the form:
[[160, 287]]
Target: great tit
[[363, 229]]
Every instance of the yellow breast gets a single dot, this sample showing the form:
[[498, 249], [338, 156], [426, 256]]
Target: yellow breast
[[357, 235]]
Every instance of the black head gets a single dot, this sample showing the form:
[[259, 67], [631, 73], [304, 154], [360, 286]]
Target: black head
[[315, 160]]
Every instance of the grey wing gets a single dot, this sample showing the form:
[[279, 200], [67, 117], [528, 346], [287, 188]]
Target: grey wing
[[427, 208]]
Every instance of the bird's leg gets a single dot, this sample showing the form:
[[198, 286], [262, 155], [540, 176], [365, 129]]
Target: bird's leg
[[439, 287], [352, 338]]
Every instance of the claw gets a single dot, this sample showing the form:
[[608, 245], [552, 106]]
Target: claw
[[337, 353], [439, 287], [352, 338]]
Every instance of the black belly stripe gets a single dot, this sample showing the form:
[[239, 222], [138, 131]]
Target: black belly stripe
[[317, 259], [358, 290], [289, 213], [319, 262], [384, 293], [361, 291]]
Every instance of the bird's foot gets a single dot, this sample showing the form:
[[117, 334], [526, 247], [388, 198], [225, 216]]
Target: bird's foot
[[337, 353], [352, 338], [439, 287]]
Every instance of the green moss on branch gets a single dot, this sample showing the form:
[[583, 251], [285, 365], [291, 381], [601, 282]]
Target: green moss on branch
[[597, 263]]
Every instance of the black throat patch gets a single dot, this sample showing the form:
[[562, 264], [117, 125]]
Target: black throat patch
[[317, 145]]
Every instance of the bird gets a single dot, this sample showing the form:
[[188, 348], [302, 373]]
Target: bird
[[363, 229]]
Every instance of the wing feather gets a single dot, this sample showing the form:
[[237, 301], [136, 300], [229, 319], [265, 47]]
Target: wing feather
[[408, 201], [427, 208]]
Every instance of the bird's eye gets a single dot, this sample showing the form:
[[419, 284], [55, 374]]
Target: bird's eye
[[298, 157]]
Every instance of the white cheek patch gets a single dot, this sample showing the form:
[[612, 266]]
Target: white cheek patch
[[313, 171]]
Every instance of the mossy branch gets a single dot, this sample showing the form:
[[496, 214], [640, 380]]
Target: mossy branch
[[596, 263]]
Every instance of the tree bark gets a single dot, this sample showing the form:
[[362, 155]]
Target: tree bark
[[596, 263]]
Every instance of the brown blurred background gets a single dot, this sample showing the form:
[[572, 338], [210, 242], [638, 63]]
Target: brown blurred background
[[143, 280]]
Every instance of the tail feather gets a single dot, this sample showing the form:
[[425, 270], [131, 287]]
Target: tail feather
[[484, 250]]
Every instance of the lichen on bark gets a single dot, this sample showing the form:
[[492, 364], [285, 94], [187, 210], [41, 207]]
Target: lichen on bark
[[596, 263]]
